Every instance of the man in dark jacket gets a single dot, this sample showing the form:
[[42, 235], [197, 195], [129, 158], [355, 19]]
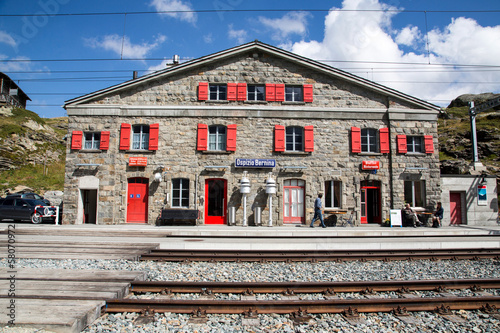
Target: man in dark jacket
[[317, 211]]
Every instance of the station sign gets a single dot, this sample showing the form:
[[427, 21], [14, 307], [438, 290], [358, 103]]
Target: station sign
[[254, 163], [138, 161], [370, 165]]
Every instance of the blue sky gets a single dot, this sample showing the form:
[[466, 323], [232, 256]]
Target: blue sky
[[433, 50]]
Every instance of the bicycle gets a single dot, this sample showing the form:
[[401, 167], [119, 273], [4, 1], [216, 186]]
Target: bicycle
[[347, 220]]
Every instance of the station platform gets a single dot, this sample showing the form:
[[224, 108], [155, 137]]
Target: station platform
[[265, 238]]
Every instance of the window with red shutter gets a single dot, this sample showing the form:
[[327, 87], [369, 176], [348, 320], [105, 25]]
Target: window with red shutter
[[241, 92], [202, 143], [279, 138], [231, 138], [308, 93], [125, 136], [104, 144], [355, 140], [270, 92], [280, 92], [401, 142], [384, 140], [428, 144], [231, 91], [203, 91], [309, 138], [76, 140], [154, 133]]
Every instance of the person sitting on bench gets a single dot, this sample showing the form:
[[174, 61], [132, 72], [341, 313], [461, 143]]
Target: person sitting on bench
[[410, 215]]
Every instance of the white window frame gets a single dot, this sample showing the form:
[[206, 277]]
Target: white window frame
[[256, 95], [294, 94], [94, 142], [412, 186], [293, 138], [330, 186], [140, 137], [183, 193], [369, 140], [414, 144], [216, 91], [217, 138]]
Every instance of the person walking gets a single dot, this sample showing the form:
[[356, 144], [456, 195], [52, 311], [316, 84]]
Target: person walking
[[317, 211]]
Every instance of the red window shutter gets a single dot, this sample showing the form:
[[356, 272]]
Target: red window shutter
[[309, 138], [308, 93], [202, 91], [280, 92], [385, 144], [270, 92], [125, 136], [355, 140], [231, 138], [401, 140], [231, 91], [241, 94], [279, 138], [76, 140], [104, 144], [202, 143], [428, 144], [154, 132]]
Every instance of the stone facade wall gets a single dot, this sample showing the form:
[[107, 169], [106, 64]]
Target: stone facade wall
[[337, 106]]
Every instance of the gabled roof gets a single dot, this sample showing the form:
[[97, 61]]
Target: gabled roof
[[13, 85], [257, 46]]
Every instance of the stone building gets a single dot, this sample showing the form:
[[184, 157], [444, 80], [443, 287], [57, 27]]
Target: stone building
[[184, 137]]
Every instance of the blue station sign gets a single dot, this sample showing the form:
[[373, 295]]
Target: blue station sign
[[254, 163]]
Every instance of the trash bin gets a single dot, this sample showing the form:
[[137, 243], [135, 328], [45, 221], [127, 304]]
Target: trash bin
[[257, 213], [232, 215]]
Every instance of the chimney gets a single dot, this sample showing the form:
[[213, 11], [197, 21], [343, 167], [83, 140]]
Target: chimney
[[175, 59], [134, 76]]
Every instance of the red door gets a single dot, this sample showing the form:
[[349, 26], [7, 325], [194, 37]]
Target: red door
[[455, 208], [370, 204], [215, 201], [293, 201], [137, 203]]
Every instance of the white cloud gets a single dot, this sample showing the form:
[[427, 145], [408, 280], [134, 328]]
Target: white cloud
[[208, 38], [11, 66], [239, 35], [408, 36], [6, 38], [363, 36], [176, 8], [123, 47], [160, 66], [290, 23]]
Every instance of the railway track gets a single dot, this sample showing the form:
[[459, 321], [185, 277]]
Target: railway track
[[315, 256], [444, 303], [326, 288]]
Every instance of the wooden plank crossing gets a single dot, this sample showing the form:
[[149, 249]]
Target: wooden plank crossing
[[61, 300], [30, 249]]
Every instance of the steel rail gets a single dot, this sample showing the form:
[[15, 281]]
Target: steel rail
[[316, 255], [292, 306], [310, 287]]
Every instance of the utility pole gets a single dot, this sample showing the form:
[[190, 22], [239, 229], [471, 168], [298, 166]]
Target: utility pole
[[473, 111]]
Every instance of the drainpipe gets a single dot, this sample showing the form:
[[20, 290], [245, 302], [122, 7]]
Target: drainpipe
[[391, 170]]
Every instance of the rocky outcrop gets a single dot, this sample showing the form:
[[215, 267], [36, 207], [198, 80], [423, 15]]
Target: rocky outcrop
[[463, 100]]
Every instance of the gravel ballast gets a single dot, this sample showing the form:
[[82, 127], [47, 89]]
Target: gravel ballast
[[473, 321]]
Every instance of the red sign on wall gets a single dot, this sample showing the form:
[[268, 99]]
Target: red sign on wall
[[138, 161], [370, 165]]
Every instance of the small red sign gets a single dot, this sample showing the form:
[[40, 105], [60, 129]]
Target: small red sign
[[370, 165], [138, 161]]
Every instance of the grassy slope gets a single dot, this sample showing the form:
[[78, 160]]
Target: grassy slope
[[28, 174]]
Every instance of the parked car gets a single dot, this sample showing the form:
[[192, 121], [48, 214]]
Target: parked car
[[29, 195], [18, 209]]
